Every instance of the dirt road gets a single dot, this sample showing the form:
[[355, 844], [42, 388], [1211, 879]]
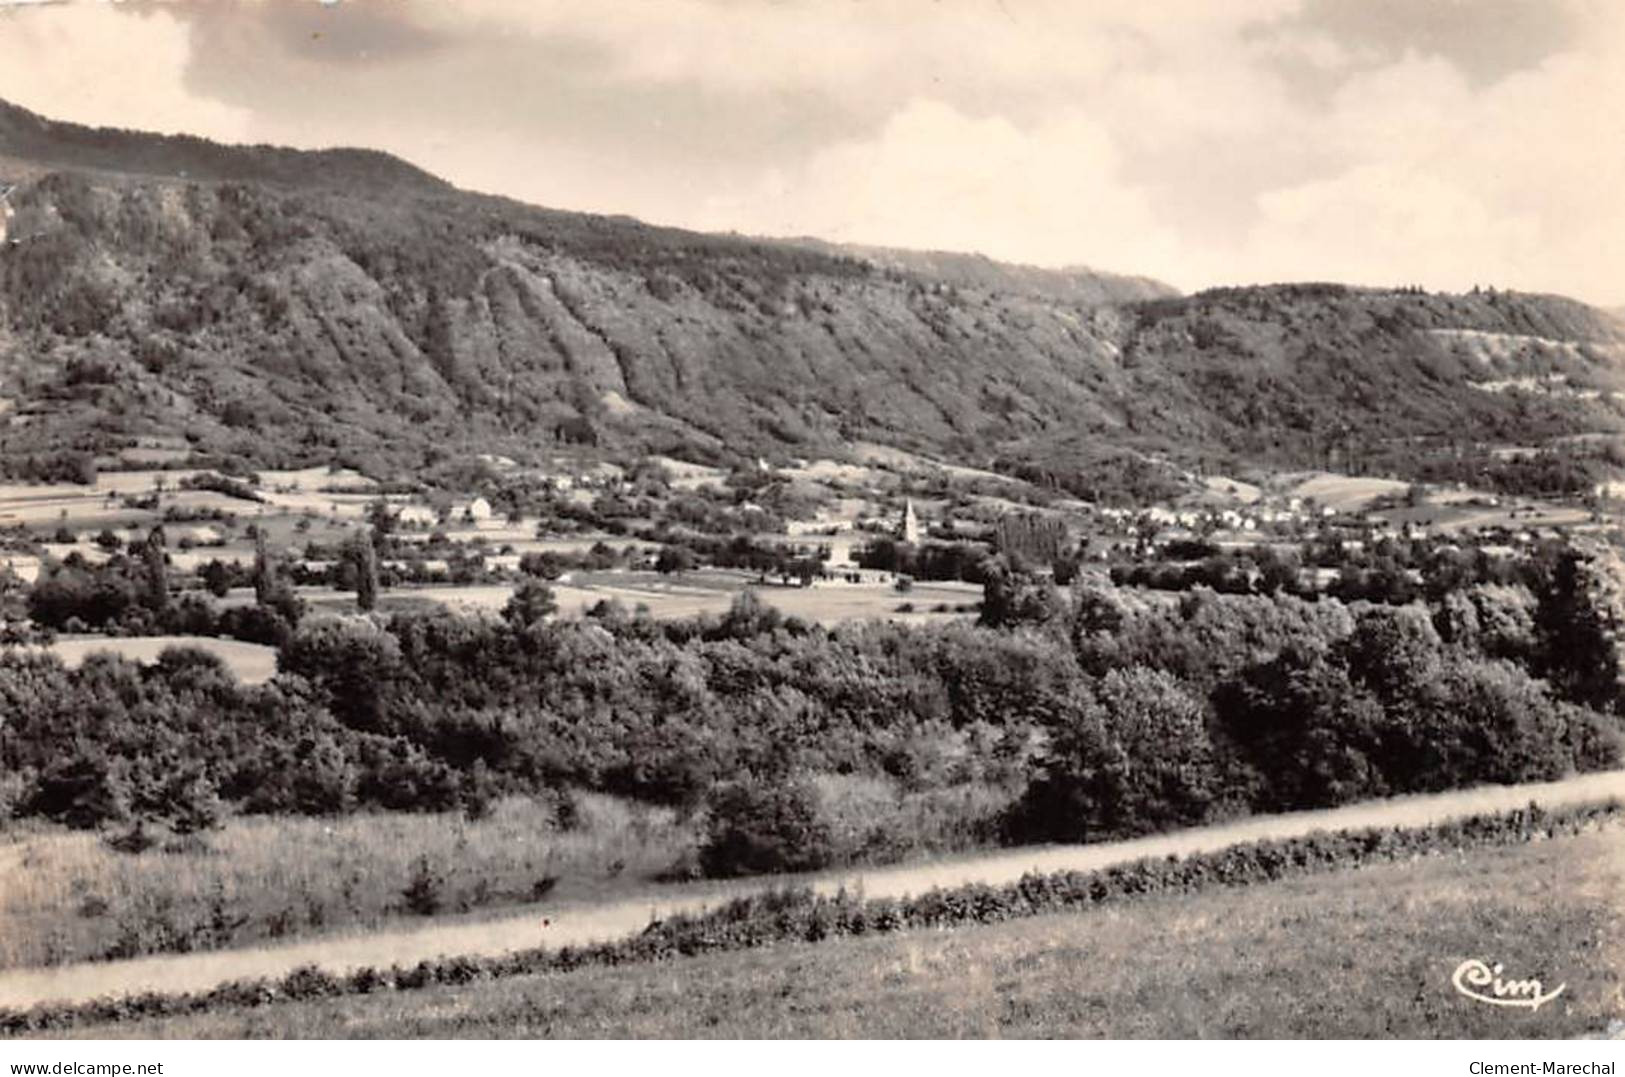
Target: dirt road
[[408, 945]]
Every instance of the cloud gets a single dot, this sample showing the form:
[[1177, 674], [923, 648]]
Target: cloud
[[934, 177], [1442, 143], [83, 63], [1519, 183], [1486, 40]]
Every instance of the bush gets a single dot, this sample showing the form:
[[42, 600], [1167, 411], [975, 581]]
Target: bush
[[1131, 758], [532, 602], [423, 893], [757, 827], [190, 803], [81, 792]]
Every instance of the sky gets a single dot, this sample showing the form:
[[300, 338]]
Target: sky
[[1446, 143]]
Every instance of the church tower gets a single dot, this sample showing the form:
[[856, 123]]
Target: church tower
[[910, 531]]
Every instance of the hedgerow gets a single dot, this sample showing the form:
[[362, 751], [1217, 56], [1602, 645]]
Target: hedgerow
[[791, 915]]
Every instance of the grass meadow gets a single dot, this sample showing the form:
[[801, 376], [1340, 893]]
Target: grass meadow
[[1367, 953], [67, 896]]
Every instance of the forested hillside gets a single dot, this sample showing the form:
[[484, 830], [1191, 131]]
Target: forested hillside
[[288, 308]]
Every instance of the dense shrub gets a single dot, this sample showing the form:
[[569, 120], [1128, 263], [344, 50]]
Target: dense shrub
[[762, 827], [81, 791], [1118, 712], [1131, 756], [1390, 710]]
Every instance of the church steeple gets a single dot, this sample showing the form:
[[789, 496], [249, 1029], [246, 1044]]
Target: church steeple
[[910, 531]]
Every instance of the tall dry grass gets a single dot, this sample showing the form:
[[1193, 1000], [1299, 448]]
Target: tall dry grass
[[67, 896], [1365, 954], [877, 821]]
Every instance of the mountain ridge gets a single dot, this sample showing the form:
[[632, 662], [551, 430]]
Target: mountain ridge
[[1083, 284], [28, 138], [290, 312]]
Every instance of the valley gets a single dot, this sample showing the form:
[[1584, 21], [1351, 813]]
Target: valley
[[404, 587]]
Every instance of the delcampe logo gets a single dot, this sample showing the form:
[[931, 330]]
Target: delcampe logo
[[1484, 983]]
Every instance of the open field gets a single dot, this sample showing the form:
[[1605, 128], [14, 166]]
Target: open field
[[1344, 493], [834, 601], [709, 592], [1366, 953], [1455, 513], [1219, 489], [595, 923], [251, 662], [66, 896], [687, 476]]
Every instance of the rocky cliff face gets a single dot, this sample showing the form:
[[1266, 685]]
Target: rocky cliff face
[[287, 307]]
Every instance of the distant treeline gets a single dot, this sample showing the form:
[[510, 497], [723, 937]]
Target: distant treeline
[[1104, 715]]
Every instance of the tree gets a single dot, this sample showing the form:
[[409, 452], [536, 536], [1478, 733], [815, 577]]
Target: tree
[[1131, 757], [1031, 537], [82, 791], [190, 803], [532, 601], [543, 565], [155, 570], [757, 827], [216, 576], [1393, 651], [1312, 736], [354, 658], [364, 558], [1011, 598], [1277, 571], [677, 559], [380, 516], [748, 616], [264, 572], [1580, 622]]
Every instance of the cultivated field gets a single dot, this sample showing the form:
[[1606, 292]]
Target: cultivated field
[[690, 594], [1344, 493], [253, 663]]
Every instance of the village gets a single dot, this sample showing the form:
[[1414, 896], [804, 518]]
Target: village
[[884, 535]]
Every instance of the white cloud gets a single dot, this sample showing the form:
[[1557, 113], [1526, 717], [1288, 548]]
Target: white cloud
[[1171, 137], [1521, 184], [936, 178], [1384, 224], [91, 65]]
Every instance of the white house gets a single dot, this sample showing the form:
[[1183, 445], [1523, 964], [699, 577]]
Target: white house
[[416, 516]]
